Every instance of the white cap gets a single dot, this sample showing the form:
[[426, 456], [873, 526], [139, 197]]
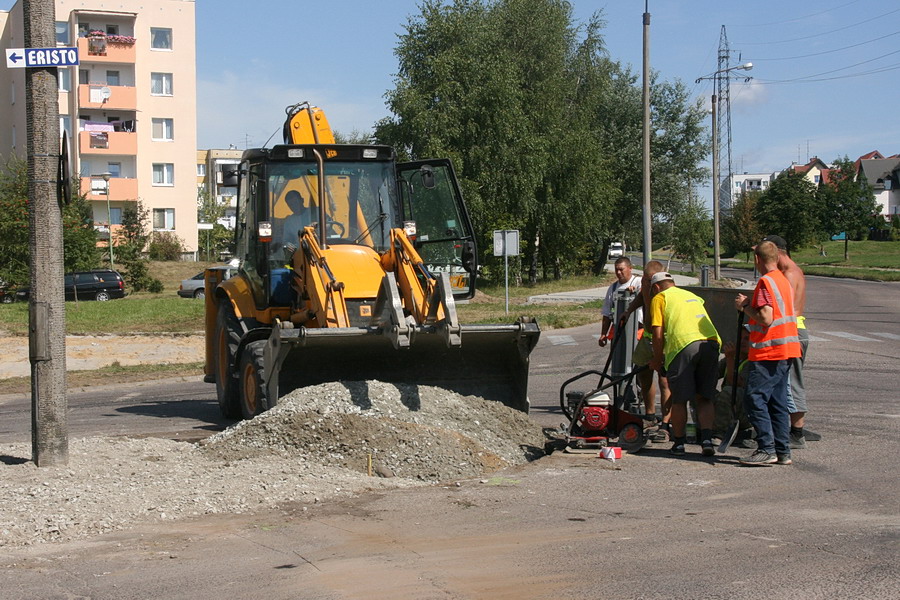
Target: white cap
[[661, 276]]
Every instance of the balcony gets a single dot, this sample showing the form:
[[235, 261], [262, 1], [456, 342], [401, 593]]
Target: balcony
[[92, 50], [120, 188], [119, 97], [107, 142]]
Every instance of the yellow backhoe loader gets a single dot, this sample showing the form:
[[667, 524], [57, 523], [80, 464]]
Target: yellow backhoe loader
[[350, 267]]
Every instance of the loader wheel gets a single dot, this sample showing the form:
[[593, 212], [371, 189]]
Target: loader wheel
[[227, 338], [253, 388]]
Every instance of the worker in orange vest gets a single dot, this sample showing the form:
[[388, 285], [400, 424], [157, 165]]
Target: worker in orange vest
[[773, 343]]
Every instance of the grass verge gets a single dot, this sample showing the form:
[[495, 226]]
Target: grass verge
[[113, 374]]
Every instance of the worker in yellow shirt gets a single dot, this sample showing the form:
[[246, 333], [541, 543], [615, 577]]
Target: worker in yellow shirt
[[685, 350]]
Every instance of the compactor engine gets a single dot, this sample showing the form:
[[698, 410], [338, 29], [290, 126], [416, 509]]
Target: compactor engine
[[350, 267]]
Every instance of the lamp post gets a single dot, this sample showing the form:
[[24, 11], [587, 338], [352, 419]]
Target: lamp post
[[112, 262], [717, 265]]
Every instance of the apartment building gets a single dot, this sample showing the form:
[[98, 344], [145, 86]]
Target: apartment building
[[210, 166], [129, 107]]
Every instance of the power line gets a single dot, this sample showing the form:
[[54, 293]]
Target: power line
[[848, 76], [803, 18], [808, 37], [756, 59]]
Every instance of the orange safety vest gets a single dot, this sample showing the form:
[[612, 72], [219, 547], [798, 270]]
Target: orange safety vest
[[779, 340]]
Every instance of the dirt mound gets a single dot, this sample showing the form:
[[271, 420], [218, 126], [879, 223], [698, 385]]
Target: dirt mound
[[409, 431]]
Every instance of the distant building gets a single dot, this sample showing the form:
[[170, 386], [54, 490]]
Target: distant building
[[884, 176], [211, 164], [749, 182], [129, 107], [811, 170]]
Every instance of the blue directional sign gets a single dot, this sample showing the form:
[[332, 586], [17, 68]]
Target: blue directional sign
[[19, 58]]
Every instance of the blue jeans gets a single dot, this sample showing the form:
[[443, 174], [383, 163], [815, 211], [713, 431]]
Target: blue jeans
[[766, 403]]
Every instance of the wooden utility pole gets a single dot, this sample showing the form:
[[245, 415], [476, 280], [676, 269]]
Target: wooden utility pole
[[46, 308]]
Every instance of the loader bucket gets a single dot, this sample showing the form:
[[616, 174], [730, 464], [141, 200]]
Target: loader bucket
[[491, 362]]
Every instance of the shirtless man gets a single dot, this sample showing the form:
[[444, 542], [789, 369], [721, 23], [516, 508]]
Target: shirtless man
[[796, 392]]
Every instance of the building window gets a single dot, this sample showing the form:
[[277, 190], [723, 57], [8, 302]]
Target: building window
[[65, 80], [115, 216], [62, 33], [201, 170], [84, 29], [162, 130], [163, 174], [112, 78], [114, 169], [160, 38], [112, 30], [161, 84], [84, 76], [164, 218]]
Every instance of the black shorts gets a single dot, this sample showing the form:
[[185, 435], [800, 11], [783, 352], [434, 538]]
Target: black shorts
[[694, 371]]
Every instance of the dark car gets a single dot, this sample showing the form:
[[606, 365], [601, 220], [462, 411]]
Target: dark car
[[194, 287], [101, 285]]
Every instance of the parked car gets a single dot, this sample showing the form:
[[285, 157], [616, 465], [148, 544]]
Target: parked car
[[100, 285], [616, 249], [7, 295], [194, 287]]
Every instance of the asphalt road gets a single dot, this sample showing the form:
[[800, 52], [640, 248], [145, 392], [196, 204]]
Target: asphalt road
[[565, 526]]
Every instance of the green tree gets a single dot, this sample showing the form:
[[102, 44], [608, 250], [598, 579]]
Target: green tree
[[789, 208], [535, 117], [740, 231], [79, 235], [847, 203], [692, 229], [219, 239], [131, 252]]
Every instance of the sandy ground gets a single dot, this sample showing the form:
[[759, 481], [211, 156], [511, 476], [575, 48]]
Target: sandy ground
[[94, 352]]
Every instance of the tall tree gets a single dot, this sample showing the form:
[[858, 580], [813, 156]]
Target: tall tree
[[79, 236], [739, 227], [847, 203], [536, 118], [692, 230], [788, 208]]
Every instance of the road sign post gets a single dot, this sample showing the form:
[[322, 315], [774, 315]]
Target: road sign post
[[506, 244]]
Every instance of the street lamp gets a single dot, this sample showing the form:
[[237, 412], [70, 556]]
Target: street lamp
[[717, 269], [112, 263]]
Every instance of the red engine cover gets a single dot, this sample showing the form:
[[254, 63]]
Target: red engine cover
[[594, 419]]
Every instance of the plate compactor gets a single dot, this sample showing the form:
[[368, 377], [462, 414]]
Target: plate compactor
[[611, 413], [597, 419]]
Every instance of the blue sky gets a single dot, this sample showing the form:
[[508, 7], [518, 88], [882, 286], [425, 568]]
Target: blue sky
[[255, 59]]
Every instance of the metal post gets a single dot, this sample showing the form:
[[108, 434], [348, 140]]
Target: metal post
[[506, 271], [648, 234], [47, 313], [717, 272], [112, 262]]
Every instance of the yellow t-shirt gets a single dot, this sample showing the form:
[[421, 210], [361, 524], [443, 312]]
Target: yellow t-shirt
[[683, 318]]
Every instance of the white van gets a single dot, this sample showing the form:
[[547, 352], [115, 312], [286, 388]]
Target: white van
[[616, 249]]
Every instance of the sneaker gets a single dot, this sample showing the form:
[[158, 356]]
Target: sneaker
[[677, 449], [783, 459], [798, 442], [708, 448], [760, 458], [811, 436]]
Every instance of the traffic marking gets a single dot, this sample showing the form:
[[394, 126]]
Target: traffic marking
[[562, 340], [890, 336], [850, 336], [814, 338]]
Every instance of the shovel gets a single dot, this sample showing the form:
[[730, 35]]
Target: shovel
[[729, 439]]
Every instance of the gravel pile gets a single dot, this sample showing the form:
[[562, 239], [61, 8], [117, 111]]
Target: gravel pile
[[320, 442]]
